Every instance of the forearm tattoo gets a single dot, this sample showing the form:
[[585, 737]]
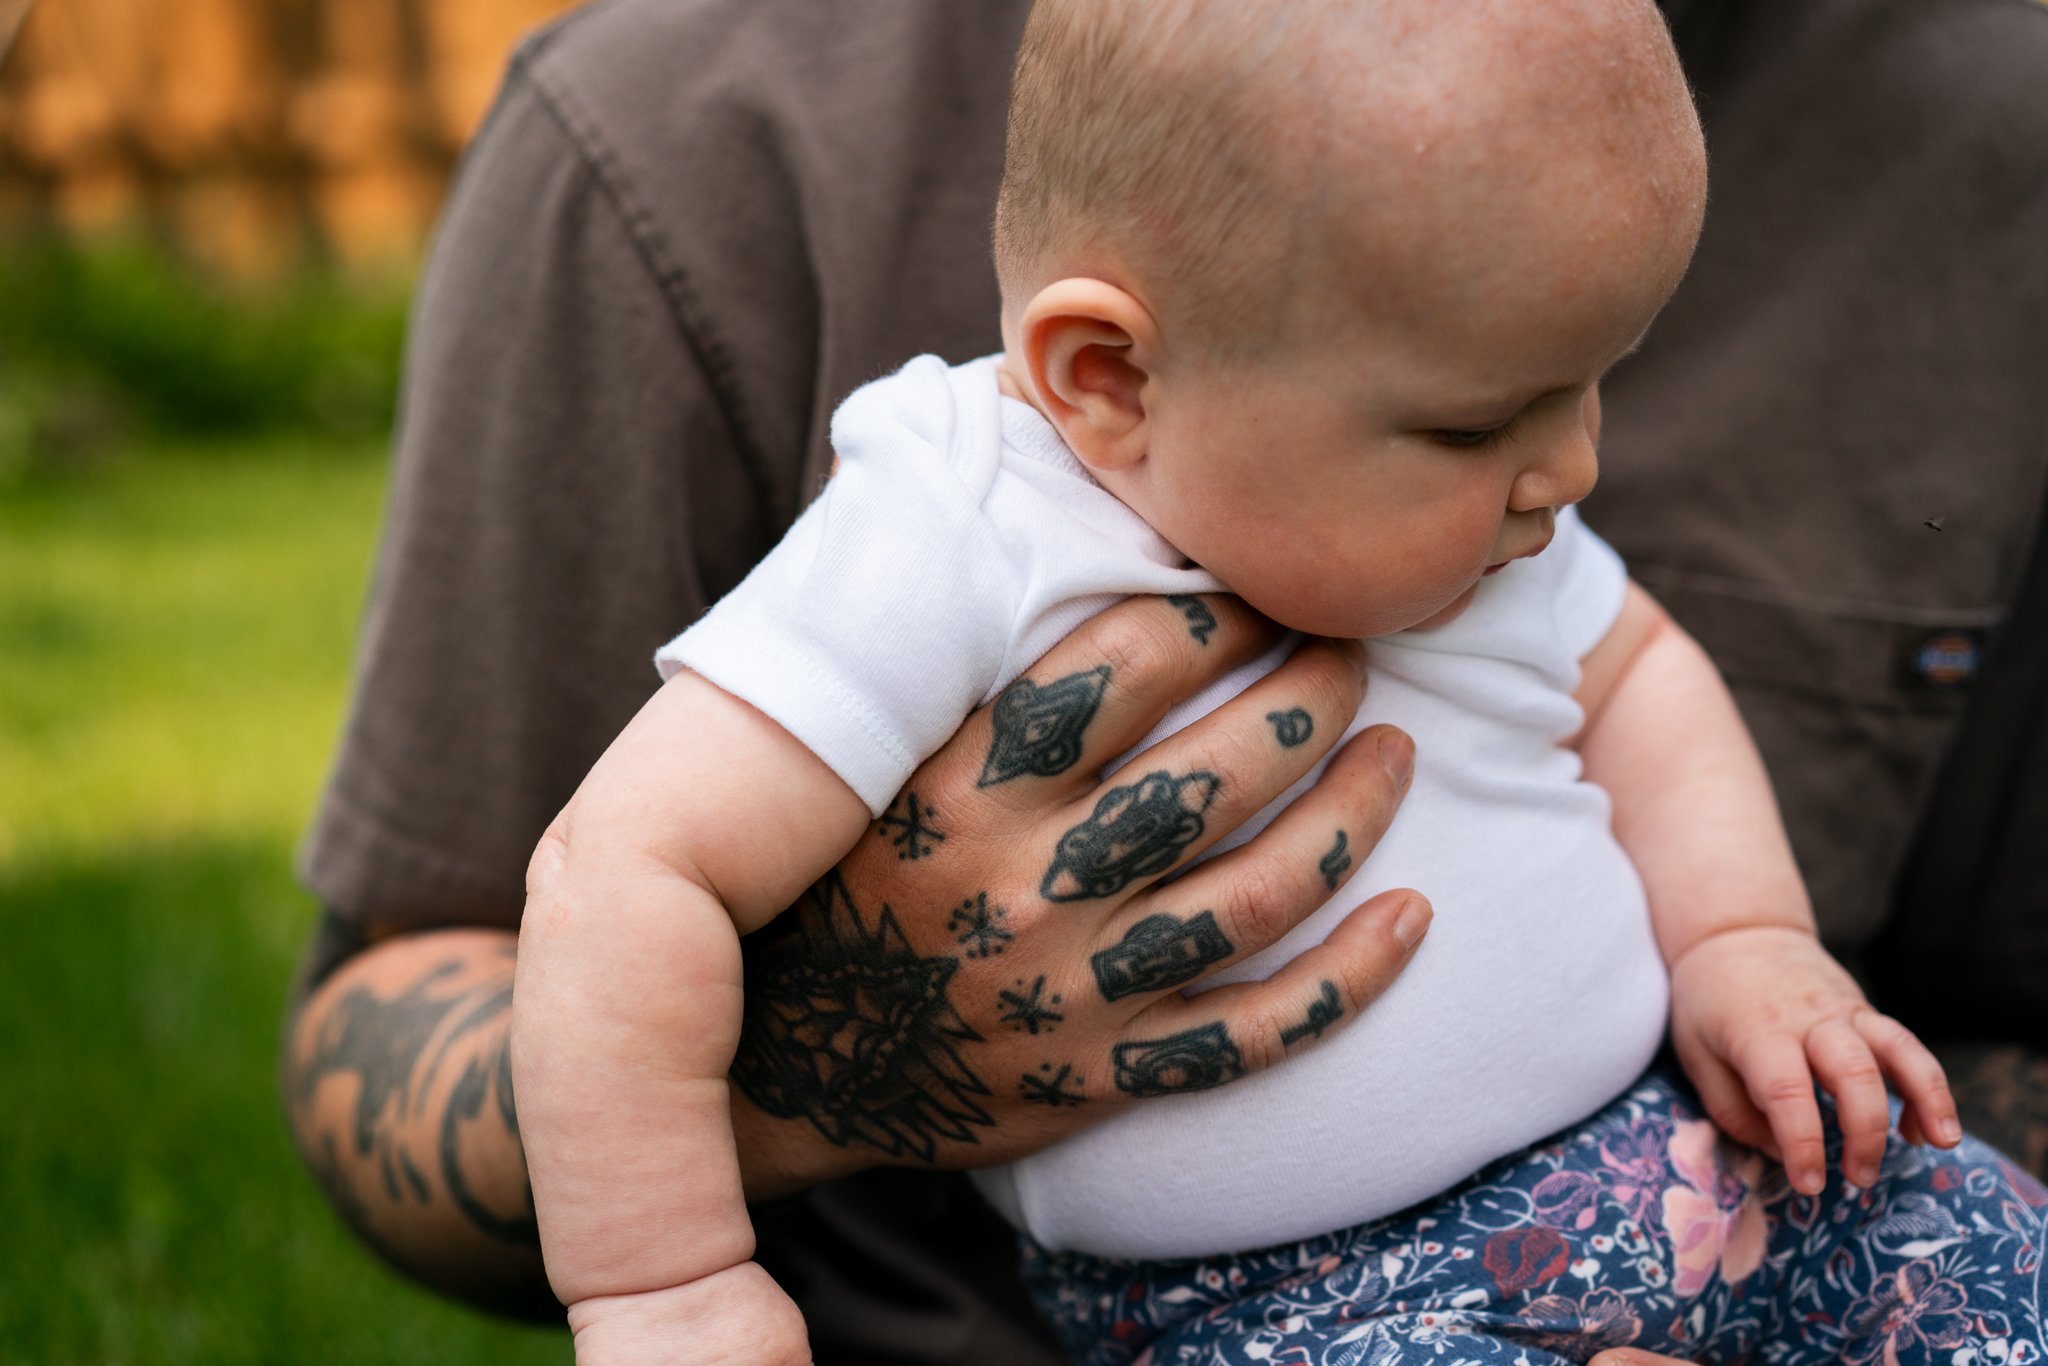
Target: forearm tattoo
[[1133, 833], [1193, 1060], [1038, 730], [916, 835], [1201, 621], [394, 1049], [1337, 862], [1323, 1012], [1159, 953], [1291, 727], [848, 1027]]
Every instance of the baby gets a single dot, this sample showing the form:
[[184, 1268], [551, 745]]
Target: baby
[[1307, 303]]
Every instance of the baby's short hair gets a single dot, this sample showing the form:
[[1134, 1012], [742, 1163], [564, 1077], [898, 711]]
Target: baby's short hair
[[1144, 133]]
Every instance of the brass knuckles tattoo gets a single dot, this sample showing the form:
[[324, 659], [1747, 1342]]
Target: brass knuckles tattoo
[[1336, 863], [1038, 730], [1201, 621], [1159, 953], [918, 836], [847, 1027], [1291, 727], [1133, 833], [1193, 1060], [1323, 1012]]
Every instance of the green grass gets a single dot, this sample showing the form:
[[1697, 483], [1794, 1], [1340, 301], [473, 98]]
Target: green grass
[[174, 633]]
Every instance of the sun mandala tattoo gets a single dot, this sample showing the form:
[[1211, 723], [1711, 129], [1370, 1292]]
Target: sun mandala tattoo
[[846, 1026]]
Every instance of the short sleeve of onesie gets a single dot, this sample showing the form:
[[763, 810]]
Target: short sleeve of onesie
[[878, 622]]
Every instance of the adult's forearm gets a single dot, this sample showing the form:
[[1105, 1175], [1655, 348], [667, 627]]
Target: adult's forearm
[[399, 1095]]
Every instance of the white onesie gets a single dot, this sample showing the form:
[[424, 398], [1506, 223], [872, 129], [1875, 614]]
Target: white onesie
[[958, 541]]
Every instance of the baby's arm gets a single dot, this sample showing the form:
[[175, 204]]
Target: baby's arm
[[701, 822], [1759, 1011]]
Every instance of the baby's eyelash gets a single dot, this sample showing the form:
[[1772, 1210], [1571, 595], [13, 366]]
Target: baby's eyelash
[[1469, 440]]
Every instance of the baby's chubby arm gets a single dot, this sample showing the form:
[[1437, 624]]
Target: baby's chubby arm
[[701, 822], [1759, 1010]]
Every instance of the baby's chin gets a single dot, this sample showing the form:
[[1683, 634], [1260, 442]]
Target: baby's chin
[[1364, 624]]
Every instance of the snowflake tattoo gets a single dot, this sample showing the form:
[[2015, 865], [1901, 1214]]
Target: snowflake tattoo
[[1052, 1089], [919, 837], [1030, 1010], [981, 934]]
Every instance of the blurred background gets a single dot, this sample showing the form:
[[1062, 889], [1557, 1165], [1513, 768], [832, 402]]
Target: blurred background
[[210, 215]]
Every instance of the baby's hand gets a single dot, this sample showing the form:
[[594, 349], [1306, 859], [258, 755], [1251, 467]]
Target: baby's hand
[[1758, 1015], [735, 1315]]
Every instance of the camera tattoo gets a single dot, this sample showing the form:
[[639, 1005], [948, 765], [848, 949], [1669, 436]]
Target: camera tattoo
[[848, 1027], [1201, 621], [1336, 863], [1159, 953], [1133, 833], [1291, 727], [919, 835], [1323, 1012], [1193, 1060], [1038, 730]]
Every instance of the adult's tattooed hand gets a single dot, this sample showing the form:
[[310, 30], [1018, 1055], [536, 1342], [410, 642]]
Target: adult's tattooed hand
[[996, 963]]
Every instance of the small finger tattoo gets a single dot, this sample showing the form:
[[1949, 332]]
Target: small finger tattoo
[[1051, 1089], [919, 836], [1030, 1010], [1134, 832], [1159, 952], [1201, 621], [1193, 1060], [980, 926], [1336, 863], [1291, 727], [1038, 730], [1323, 1012]]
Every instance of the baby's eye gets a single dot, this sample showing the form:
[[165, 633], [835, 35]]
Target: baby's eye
[[1465, 440]]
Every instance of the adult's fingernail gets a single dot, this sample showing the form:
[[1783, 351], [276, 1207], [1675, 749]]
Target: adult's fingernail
[[1397, 755], [1356, 649], [1411, 922]]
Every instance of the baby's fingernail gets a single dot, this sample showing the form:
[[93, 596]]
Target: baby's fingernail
[[1397, 755], [1951, 1130], [1411, 922], [1356, 649]]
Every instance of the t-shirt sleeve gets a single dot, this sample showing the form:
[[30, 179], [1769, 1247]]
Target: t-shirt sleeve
[[883, 617], [1589, 584], [548, 524]]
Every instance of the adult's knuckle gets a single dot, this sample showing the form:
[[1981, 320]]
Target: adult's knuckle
[[1138, 647], [1258, 903]]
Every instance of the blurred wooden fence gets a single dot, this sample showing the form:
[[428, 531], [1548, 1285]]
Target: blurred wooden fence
[[253, 133]]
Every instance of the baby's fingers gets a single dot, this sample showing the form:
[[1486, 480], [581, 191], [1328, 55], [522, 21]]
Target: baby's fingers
[[1726, 1102], [1919, 1077], [1846, 1067], [1775, 1073]]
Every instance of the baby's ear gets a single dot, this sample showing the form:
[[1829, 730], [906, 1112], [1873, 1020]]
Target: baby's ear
[[1090, 347]]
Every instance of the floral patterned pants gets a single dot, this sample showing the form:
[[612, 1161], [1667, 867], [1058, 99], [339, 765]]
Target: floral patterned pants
[[1641, 1227]]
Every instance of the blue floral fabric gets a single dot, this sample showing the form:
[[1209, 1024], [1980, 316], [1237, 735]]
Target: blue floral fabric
[[1642, 1227]]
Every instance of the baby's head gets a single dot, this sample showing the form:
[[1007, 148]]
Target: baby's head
[[1323, 288]]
